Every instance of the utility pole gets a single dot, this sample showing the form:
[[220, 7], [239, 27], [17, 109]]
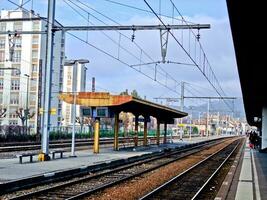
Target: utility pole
[[74, 64], [218, 122], [208, 110], [182, 96], [26, 111], [48, 79], [74, 89]]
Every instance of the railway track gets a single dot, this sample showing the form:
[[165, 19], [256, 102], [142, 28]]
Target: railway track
[[83, 186], [66, 144], [191, 183]]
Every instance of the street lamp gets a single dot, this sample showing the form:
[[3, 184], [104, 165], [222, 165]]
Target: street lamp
[[26, 111], [74, 90]]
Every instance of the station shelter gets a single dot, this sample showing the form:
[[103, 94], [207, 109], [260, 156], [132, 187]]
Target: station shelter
[[103, 104]]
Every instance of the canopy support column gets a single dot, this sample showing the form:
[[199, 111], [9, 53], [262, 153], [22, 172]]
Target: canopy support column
[[165, 133], [158, 131], [116, 132], [136, 130], [96, 136], [145, 130]]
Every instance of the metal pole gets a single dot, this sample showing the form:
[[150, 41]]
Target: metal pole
[[136, 130], [218, 122], [116, 132], [199, 123], [145, 130], [190, 131], [182, 96], [74, 89], [48, 81], [158, 131], [26, 112], [208, 110]]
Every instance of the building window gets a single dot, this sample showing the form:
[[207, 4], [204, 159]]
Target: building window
[[2, 26], [17, 42], [12, 122], [34, 54], [1, 84], [34, 68], [2, 72], [14, 99], [2, 56], [35, 25], [35, 40], [15, 85], [15, 72], [2, 43], [17, 26], [16, 56]]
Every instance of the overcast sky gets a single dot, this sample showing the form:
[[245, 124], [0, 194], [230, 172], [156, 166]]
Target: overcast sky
[[115, 76]]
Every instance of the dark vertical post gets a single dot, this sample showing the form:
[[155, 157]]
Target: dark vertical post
[[165, 133], [145, 131], [158, 131], [136, 131], [116, 132]]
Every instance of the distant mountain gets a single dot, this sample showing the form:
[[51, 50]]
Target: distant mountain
[[218, 106]]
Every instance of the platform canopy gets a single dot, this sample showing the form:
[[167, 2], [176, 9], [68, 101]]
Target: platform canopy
[[247, 19], [125, 103]]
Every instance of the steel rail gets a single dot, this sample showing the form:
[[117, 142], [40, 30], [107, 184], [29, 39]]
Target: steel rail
[[166, 184], [214, 173], [65, 144], [194, 149]]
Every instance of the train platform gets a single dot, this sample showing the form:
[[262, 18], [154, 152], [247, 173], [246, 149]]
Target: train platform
[[247, 179], [12, 170]]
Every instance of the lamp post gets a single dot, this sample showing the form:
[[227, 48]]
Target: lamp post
[[74, 90], [26, 111]]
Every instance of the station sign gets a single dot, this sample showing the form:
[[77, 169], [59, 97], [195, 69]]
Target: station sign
[[86, 112], [101, 112]]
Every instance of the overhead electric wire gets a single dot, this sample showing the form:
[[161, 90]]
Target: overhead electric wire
[[143, 10], [177, 41], [137, 45], [165, 73]]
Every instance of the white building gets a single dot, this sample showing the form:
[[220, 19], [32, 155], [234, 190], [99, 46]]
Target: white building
[[69, 82], [29, 58]]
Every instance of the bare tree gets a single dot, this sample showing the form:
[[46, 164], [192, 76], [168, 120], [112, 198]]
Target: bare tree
[[3, 112], [89, 122], [24, 115]]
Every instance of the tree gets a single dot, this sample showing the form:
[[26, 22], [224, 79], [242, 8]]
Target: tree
[[24, 115], [2, 112], [80, 120], [134, 93], [125, 120], [89, 122], [124, 92]]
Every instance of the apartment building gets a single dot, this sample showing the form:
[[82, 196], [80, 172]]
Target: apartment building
[[22, 66], [74, 80]]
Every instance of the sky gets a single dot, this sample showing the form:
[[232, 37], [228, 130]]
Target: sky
[[111, 69]]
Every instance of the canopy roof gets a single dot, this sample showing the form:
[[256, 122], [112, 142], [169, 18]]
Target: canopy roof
[[249, 42], [125, 103]]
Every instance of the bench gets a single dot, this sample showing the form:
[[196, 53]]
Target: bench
[[26, 155], [57, 152]]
